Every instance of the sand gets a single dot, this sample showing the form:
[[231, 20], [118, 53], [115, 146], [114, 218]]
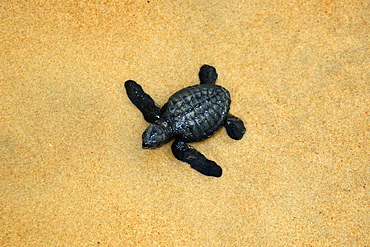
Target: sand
[[73, 172]]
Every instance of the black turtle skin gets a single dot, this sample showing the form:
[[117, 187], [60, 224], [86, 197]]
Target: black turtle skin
[[190, 115]]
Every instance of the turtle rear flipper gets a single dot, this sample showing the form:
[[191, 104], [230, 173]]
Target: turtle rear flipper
[[234, 127], [142, 101], [195, 159], [207, 75]]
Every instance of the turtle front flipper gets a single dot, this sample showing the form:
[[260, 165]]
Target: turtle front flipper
[[234, 127], [142, 101], [195, 159], [207, 75]]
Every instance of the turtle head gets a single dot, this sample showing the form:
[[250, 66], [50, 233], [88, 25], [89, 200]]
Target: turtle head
[[156, 134]]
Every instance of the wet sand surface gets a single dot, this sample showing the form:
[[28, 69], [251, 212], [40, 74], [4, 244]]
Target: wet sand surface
[[73, 172]]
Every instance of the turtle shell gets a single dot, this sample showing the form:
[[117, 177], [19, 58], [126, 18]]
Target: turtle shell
[[196, 112]]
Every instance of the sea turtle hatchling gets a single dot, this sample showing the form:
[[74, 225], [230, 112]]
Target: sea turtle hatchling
[[190, 115]]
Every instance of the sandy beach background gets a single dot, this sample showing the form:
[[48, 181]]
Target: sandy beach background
[[72, 169]]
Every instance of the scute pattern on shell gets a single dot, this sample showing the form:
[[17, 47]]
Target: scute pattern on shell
[[196, 112]]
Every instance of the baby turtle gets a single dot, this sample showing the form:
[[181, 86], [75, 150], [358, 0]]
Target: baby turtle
[[190, 115]]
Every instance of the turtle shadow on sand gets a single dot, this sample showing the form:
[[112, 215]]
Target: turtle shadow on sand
[[190, 115]]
